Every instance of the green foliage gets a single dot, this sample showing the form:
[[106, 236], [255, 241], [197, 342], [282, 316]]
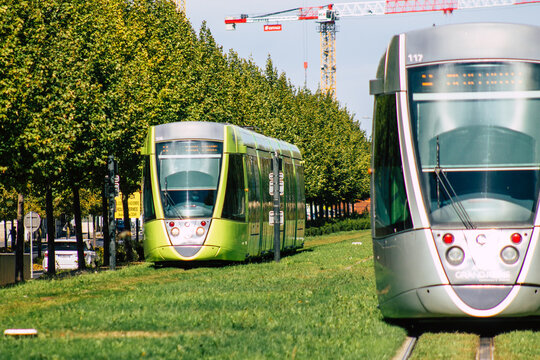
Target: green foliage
[[328, 226], [121, 253], [81, 80], [99, 256], [8, 204]]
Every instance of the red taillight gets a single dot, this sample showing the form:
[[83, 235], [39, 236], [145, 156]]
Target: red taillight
[[516, 238], [171, 224], [448, 238], [203, 223]]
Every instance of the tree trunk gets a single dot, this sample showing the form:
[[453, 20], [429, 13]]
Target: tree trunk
[[5, 235], [94, 229], [19, 251], [51, 263], [127, 228], [105, 229], [78, 227], [137, 228], [13, 236]]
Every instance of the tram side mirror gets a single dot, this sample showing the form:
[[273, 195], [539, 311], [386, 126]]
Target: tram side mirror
[[376, 87]]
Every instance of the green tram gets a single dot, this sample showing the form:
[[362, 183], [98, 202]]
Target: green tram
[[206, 193]]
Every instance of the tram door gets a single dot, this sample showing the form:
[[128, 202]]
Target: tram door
[[267, 240], [300, 205], [254, 205], [290, 203]]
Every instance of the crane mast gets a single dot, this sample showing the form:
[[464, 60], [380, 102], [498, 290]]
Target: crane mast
[[327, 15]]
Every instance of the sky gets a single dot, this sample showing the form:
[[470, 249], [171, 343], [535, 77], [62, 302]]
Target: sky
[[360, 41]]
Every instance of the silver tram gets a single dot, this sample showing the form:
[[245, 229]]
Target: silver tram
[[456, 172]]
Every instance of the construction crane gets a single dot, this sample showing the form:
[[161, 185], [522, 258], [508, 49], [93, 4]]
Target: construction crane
[[327, 15]]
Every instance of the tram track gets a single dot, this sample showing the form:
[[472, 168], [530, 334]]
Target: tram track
[[485, 348], [406, 349]]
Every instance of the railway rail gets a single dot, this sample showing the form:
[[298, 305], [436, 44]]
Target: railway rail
[[484, 350], [406, 349]]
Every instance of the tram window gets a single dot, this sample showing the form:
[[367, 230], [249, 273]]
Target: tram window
[[254, 198], [188, 174], [391, 208], [148, 201], [234, 206], [483, 135]]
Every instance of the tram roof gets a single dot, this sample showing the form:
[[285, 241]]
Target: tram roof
[[473, 41], [260, 142], [457, 42], [204, 130]]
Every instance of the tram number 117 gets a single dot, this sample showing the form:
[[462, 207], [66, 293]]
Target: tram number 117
[[416, 57]]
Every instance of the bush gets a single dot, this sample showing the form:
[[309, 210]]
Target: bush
[[99, 256], [327, 226]]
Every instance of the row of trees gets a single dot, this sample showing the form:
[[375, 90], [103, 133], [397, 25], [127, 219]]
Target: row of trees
[[80, 80]]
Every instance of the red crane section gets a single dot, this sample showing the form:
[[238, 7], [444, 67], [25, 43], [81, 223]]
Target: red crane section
[[326, 16]]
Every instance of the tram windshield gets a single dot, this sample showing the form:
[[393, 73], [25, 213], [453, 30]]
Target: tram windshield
[[188, 174], [477, 135]]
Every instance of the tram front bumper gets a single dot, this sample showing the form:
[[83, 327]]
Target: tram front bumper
[[443, 301]]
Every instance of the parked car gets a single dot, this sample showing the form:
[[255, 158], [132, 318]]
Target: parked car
[[35, 248], [66, 254]]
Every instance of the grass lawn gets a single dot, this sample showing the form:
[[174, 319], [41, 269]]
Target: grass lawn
[[317, 304]]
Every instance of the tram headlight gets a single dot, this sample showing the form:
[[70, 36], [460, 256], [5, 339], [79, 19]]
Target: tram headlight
[[200, 231], [510, 255], [455, 255], [175, 231]]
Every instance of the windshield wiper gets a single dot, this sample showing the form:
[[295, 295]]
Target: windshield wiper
[[443, 180], [171, 201]]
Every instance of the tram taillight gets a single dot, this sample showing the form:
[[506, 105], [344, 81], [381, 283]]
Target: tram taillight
[[448, 238], [515, 238]]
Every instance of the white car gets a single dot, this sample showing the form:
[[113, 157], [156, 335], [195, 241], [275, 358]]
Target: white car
[[65, 251]]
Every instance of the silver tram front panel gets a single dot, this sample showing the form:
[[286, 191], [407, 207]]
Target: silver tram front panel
[[456, 172]]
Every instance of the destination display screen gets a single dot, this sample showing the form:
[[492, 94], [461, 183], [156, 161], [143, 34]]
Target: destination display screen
[[477, 77], [189, 147]]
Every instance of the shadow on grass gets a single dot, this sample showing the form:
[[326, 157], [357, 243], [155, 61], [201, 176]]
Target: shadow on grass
[[186, 265], [478, 326]]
